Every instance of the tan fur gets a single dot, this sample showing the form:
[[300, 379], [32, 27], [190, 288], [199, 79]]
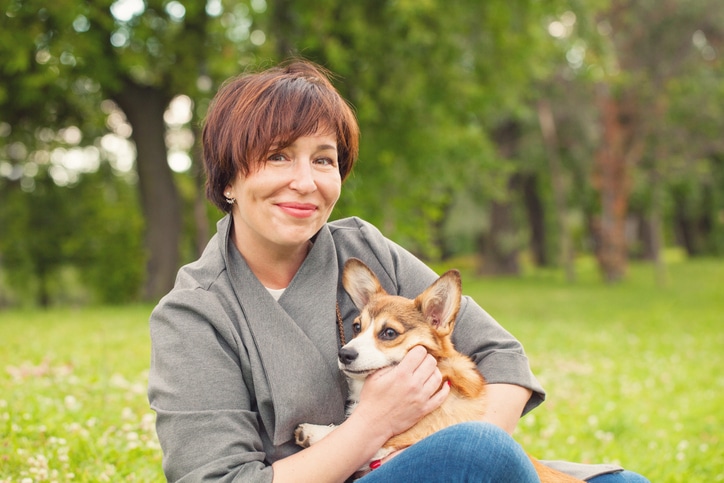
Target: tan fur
[[428, 320]]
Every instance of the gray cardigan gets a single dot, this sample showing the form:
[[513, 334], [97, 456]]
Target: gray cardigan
[[233, 371]]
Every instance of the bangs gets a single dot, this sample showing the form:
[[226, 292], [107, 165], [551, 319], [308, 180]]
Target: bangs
[[301, 108], [289, 108], [294, 107]]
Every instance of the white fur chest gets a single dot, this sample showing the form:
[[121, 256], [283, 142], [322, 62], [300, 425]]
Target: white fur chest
[[355, 388]]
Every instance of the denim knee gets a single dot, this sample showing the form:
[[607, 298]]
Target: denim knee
[[477, 441], [465, 452]]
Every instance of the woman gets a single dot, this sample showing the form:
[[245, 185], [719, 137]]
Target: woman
[[244, 347]]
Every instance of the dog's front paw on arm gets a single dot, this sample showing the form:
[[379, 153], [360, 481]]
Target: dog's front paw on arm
[[308, 434], [301, 437]]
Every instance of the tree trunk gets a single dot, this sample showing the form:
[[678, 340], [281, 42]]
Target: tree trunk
[[283, 27], [644, 237], [500, 248], [705, 223], [536, 218], [611, 181], [437, 228], [550, 139], [656, 223], [144, 107]]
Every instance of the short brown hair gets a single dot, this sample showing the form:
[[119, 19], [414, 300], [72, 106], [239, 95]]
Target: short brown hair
[[252, 112]]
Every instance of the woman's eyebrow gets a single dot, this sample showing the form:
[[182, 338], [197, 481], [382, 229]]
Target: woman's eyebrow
[[320, 147]]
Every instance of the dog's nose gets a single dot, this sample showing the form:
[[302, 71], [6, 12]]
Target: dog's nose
[[347, 355]]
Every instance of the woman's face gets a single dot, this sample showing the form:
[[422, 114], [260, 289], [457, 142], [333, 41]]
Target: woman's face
[[284, 202]]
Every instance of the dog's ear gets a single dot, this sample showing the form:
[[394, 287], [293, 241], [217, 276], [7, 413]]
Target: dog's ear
[[440, 302], [360, 282]]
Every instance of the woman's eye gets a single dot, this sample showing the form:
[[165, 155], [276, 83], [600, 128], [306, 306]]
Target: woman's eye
[[276, 157], [388, 334], [325, 162]]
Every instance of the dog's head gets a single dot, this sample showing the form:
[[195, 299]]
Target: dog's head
[[389, 325]]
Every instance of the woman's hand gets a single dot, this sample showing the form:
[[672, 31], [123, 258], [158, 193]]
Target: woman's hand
[[398, 397]]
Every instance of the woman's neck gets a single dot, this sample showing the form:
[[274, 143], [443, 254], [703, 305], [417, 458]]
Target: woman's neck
[[275, 267]]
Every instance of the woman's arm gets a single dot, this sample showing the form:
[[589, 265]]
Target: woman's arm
[[505, 404]]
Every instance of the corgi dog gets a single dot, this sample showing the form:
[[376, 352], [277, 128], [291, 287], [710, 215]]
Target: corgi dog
[[387, 328]]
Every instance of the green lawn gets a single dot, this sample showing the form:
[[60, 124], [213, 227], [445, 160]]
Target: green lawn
[[73, 396], [633, 373]]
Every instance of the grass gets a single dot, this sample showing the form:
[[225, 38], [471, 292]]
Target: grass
[[73, 396], [633, 373]]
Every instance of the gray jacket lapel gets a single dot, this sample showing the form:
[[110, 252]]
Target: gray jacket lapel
[[296, 342]]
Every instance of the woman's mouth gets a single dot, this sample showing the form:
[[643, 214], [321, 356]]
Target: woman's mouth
[[298, 210]]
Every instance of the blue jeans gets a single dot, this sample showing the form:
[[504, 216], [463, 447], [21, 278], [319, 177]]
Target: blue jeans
[[470, 452], [467, 452]]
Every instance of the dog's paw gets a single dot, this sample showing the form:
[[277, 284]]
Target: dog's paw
[[382, 453], [308, 434], [300, 437]]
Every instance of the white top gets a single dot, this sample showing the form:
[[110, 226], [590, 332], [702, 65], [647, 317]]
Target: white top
[[276, 292]]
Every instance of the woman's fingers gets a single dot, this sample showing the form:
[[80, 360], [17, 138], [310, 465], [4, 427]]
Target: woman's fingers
[[412, 360], [407, 392], [425, 373]]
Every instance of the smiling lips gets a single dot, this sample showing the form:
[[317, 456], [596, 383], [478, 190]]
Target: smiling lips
[[298, 210]]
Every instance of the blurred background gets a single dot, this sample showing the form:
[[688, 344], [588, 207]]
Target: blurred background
[[503, 134]]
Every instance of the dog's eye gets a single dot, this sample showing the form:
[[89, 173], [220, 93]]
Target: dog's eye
[[356, 328], [388, 334]]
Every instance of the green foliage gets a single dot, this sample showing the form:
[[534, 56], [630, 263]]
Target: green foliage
[[93, 225], [431, 83], [632, 373], [113, 256], [37, 236]]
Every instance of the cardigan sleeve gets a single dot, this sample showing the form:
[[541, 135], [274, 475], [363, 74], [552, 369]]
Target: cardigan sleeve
[[500, 357], [206, 422]]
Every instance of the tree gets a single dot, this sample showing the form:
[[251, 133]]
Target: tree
[[43, 246], [90, 225], [558, 182], [141, 59], [417, 132], [630, 60], [436, 87]]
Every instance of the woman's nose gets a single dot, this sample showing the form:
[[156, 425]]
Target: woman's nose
[[303, 177]]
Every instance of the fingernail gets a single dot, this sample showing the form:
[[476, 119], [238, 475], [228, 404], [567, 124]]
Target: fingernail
[[448, 382], [375, 464]]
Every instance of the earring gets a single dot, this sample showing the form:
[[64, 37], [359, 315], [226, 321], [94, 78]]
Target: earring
[[229, 199]]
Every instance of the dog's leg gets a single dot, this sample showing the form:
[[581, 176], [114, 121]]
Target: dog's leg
[[381, 453], [308, 434]]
